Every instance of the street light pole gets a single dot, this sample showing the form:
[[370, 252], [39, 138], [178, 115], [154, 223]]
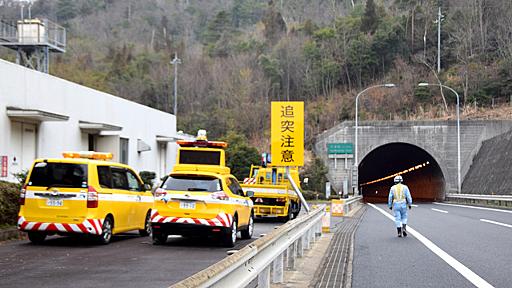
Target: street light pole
[[458, 129], [175, 63], [356, 159]]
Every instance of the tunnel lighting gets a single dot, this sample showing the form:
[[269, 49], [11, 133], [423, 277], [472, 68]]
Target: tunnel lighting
[[422, 165]]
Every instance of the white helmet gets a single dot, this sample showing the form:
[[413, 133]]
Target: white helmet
[[398, 179]]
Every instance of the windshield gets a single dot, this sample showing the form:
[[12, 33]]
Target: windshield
[[48, 174], [192, 183]]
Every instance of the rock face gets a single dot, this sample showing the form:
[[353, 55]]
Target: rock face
[[491, 171]]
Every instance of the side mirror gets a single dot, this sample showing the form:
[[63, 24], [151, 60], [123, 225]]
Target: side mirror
[[147, 187], [249, 194]]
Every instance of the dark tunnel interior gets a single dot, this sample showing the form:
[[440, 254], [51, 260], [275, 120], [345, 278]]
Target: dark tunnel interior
[[426, 183]]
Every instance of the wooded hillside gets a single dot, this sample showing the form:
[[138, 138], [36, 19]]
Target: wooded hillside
[[238, 55]]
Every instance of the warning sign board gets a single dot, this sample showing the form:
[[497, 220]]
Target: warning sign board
[[287, 133]]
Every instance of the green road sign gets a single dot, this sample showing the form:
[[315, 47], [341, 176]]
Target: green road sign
[[340, 148]]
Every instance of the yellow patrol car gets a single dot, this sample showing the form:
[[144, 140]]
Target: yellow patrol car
[[201, 197], [83, 193]]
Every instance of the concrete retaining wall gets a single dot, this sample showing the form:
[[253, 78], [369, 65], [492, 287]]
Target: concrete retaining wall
[[490, 172]]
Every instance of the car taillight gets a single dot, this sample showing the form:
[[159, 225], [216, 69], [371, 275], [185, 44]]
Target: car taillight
[[159, 192], [92, 198], [220, 195], [23, 191]]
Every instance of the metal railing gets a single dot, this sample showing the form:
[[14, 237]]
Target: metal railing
[[273, 252], [33, 32]]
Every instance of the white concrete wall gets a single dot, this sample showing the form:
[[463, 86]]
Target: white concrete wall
[[28, 89]]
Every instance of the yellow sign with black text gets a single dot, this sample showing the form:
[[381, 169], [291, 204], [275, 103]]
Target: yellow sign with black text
[[287, 133]]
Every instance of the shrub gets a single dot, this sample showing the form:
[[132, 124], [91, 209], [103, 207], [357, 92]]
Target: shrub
[[9, 206]]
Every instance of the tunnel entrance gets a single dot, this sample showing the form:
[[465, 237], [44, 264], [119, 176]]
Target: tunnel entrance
[[424, 177]]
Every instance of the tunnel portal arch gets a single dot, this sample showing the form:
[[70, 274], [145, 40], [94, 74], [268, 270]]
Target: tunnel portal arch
[[427, 183]]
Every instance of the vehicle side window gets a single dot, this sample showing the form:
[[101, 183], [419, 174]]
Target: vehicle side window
[[235, 187], [105, 176], [119, 179], [133, 182]]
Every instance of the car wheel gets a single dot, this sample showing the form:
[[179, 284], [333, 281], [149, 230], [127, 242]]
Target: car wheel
[[159, 238], [106, 231], [289, 216], [147, 226], [297, 210], [230, 235], [36, 237], [247, 233]]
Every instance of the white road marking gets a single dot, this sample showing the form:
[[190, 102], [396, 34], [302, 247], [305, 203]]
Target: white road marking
[[474, 207], [439, 210], [459, 267], [497, 223], [414, 205]]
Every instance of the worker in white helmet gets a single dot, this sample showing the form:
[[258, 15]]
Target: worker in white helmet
[[398, 200]]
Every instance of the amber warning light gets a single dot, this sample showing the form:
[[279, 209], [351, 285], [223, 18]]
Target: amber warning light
[[88, 155], [200, 143]]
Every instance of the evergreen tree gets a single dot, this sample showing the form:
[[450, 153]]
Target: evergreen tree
[[66, 9], [370, 19]]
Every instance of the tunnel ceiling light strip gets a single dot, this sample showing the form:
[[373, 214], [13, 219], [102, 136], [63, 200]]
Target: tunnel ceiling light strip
[[422, 165]]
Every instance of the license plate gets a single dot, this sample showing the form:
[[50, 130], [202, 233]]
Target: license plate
[[54, 202], [187, 205]]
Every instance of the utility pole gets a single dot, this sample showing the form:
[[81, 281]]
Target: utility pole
[[439, 15], [175, 63]]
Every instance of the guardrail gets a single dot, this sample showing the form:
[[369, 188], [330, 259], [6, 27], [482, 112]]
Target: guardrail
[[254, 261], [482, 200]]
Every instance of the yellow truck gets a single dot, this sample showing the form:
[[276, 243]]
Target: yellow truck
[[274, 195]]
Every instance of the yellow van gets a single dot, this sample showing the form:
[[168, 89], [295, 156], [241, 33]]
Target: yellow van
[[201, 197], [83, 193]]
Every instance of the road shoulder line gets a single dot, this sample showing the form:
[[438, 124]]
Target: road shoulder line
[[459, 267], [473, 207]]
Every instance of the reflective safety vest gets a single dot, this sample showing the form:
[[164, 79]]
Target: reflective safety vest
[[398, 193]]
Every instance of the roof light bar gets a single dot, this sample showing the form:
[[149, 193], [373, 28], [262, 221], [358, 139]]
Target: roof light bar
[[88, 155]]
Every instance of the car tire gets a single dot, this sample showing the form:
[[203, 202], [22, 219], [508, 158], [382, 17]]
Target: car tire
[[147, 226], [297, 210], [247, 232], [230, 234], [289, 216], [36, 237], [159, 238], [106, 231]]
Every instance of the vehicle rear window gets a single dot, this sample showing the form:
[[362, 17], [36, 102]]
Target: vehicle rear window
[[52, 174], [200, 157], [192, 183]]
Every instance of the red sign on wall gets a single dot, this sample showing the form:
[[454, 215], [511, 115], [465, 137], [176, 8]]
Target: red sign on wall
[[4, 166]]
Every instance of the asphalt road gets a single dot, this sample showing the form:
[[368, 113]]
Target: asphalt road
[[383, 260], [129, 261]]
